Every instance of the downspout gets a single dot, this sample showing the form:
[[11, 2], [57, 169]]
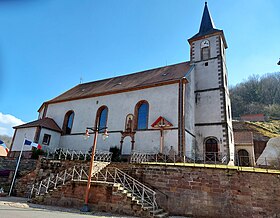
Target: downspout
[[181, 118]]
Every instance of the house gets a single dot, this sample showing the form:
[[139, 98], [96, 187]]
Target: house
[[185, 105], [251, 139], [244, 148]]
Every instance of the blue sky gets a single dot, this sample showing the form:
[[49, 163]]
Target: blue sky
[[46, 46]]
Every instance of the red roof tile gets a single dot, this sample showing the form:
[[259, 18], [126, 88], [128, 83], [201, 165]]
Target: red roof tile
[[46, 122], [139, 80]]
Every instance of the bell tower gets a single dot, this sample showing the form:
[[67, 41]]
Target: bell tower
[[213, 121]]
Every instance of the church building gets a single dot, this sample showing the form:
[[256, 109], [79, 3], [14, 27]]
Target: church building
[[185, 106]]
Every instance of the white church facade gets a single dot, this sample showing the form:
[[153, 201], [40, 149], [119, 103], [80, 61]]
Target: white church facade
[[185, 105]]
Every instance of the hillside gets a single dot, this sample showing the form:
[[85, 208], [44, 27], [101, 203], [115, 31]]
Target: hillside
[[271, 128], [257, 95], [262, 130]]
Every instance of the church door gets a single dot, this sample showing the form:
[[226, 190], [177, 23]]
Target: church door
[[211, 150], [243, 158]]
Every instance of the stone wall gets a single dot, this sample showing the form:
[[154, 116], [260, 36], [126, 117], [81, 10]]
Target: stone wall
[[210, 192], [182, 190], [44, 169], [8, 166], [102, 197]]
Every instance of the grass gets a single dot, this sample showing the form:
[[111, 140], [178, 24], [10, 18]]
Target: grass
[[217, 166], [270, 129]]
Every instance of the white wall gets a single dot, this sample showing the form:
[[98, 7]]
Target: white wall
[[163, 101], [206, 77], [213, 47], [204, 132], [55, 138], [28, 133], [190, 112], [208, 107]]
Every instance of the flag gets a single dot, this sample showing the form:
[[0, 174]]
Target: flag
[[33, 144], [4, 145]]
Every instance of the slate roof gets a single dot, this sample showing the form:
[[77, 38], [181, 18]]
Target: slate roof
[[207, 26], [46, 122], [128, 82]]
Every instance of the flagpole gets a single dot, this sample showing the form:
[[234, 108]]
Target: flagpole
[[19, 158]]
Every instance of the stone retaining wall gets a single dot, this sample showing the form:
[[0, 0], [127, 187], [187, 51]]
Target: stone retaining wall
[[8, 166], [184, 191], [206, 192], [44, 169], [103, 197]]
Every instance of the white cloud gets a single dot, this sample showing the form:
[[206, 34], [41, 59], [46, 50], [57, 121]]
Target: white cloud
[[7, 122]]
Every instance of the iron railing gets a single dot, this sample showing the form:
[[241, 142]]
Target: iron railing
[[76, 173], [209, 158], [69, 154], [145, 195], [138, 191]]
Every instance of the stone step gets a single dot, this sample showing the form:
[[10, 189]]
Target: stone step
[[158, 211], [162, 215], [148, 208], [129, 194]]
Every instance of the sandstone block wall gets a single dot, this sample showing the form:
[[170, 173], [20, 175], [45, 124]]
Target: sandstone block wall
[[102, 197], [205, 192], [8, 166]]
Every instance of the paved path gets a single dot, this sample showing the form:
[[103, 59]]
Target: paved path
[[13, 207]]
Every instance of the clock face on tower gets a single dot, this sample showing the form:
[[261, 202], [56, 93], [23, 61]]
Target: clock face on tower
[[205, 43]]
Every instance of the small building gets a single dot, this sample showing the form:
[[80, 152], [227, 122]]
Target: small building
[[244, 148], [44, 131], [252, 133], [253, 117]]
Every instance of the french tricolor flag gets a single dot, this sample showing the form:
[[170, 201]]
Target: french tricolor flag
[[33, 144]]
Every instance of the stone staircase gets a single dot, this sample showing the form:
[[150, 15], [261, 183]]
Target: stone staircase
[[75, 173], [141, 198], [139, 194], [148, 210]]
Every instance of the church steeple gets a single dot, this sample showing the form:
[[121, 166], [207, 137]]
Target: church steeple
[[207, 23], [207, 27]]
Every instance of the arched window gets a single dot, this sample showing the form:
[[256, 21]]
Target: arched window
[[68, 122], [243, 158], [101, 118], [142, 114], [211, 149], [205, 49]]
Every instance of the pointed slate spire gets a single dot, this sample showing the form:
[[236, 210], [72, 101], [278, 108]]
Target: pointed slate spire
[[207, 23], [207, 26]]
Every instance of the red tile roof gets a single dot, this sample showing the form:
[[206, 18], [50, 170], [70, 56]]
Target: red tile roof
[[253, 117], [136, 81], [46, 122]]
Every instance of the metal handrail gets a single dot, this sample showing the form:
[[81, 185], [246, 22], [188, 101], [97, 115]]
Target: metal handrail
[[76, 173], [69, 154], [212, 158], [209, 157], [145, 195]]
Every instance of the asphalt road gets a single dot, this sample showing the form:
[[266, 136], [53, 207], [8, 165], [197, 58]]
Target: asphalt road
[[7, 211], [12, 207]]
